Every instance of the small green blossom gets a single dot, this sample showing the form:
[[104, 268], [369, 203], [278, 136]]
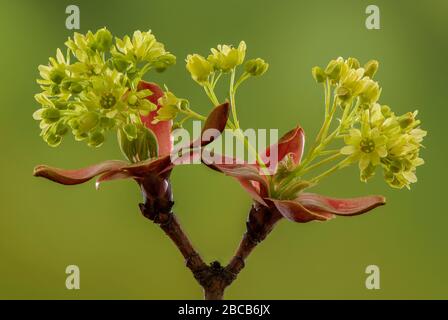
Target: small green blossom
[[256, 67], [143, 47], [318, 74], [371, 67], [170, 106], [199, 68], [367, 146], [225, 57]]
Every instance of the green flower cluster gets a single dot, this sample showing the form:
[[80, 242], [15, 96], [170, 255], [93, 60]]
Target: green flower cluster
[[374, 136], [223, 59], [98, 91], [351, 80]]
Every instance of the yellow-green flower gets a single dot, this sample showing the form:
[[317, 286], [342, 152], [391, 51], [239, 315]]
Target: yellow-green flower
[[143, 47], [199, 68], [169, 107], [225, 57], [367, 146]]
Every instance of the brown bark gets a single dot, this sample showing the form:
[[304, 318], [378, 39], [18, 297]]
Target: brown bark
[[213, 278]]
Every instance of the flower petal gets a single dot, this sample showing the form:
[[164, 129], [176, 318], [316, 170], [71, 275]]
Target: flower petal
[[291, 143], [161, 129], [294, 211], [72, 177], [343, 207]]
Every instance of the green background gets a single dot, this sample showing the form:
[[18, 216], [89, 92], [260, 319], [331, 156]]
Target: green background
[[44, 227]]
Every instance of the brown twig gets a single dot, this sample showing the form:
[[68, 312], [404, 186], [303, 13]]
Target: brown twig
[[213, 278]]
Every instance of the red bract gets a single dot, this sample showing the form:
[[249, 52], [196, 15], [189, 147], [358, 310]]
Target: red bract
[[307, 206], [161, 129], [152, 171]]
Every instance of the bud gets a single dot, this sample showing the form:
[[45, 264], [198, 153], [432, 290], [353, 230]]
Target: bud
[[107, 123], [164, 62], [96, 139], [76, 88], [371, 92], [343, 93], [318, 74], [61, 128], [353, 63], [370, 68], [130, 131], [132, 99], [61, 105], [144, 147], [57, 74], [367, 173], [120, 63], [53, 140], [103, 39], [86, 122], [386, 111], [256, 67], [199, 68], [51, 115], [333, 69]]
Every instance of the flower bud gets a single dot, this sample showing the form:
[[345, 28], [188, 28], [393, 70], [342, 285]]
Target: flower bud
[[96, 139], [371, 92], [103, 40], [52, 139], [130, 131], [51, 115], [199, 68], [164, 62], [353, 63], [61, 128], [386, 111], [76, 88], [120, 63], [57, 74], [86, 122], [256, 67], [343, 93], [370, 68], [333, 69], [132, 99], [318, 74]]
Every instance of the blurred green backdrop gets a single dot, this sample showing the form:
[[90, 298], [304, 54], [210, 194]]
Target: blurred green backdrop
[[45, 227]]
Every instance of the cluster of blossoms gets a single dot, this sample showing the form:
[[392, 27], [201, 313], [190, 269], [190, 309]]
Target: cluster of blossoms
[[223, 59], [99, 91], [103, 90], [373, 134]]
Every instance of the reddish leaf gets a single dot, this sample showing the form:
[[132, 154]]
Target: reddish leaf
[[294, 211], [241, 171], [162, 129], [157, 166], [344, 207], [253, 189], [216, 120], [71, 177], [291, 143]]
